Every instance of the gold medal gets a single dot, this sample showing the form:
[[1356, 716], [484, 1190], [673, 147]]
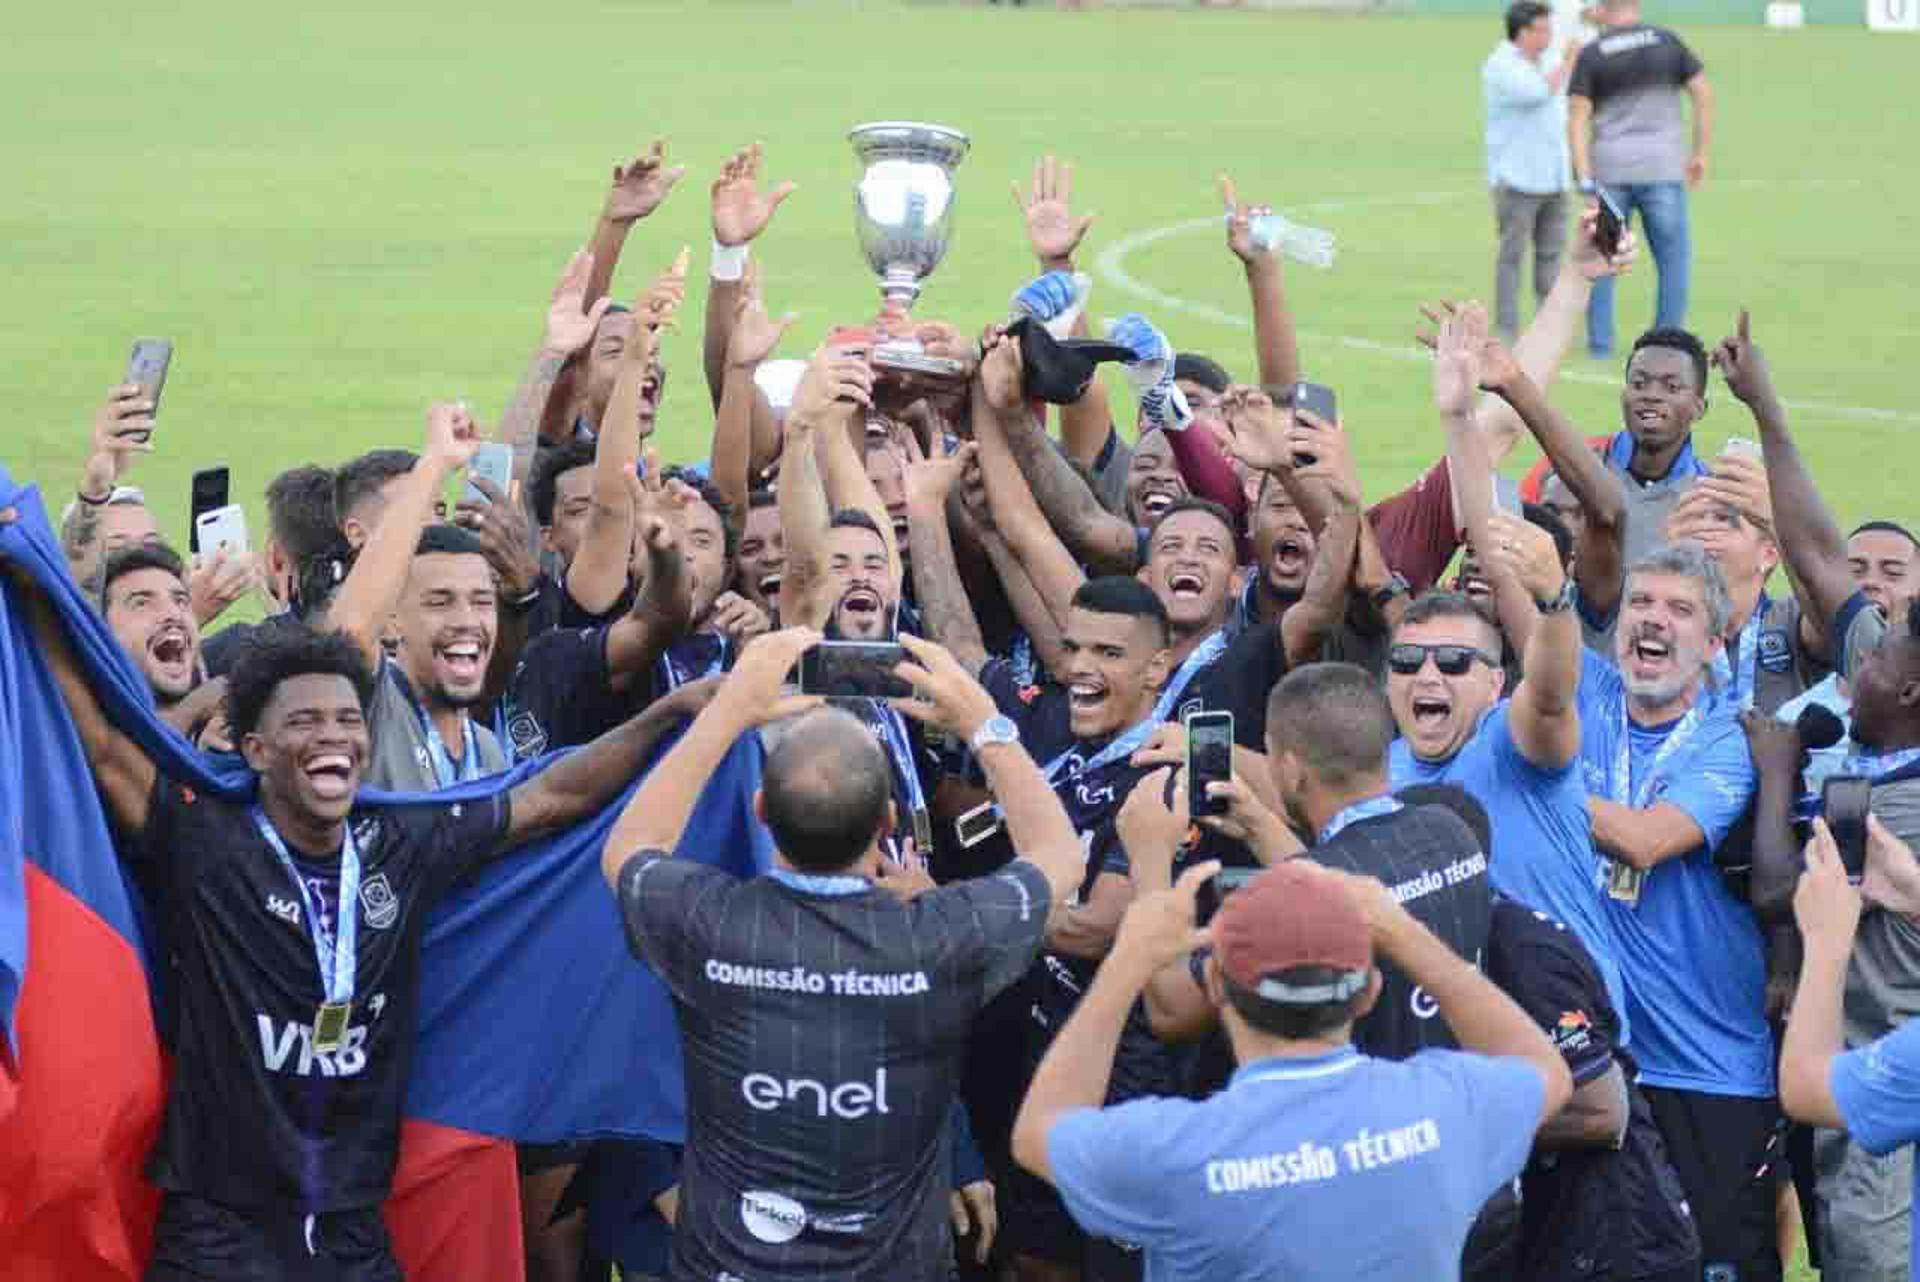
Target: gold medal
[[330, 1026], [1624, 881]]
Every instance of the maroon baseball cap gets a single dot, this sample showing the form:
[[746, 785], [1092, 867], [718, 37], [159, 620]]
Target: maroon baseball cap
[[1293, 916]]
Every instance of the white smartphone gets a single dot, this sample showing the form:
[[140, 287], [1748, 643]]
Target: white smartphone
[[494, 461], [224, 527], [1741, 447]]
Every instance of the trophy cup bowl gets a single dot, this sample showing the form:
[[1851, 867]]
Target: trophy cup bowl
[[903, 203]]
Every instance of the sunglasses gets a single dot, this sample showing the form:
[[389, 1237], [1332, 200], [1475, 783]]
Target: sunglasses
[[1406, 658]]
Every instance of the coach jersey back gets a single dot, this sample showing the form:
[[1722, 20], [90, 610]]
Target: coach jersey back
[[823, 1023]]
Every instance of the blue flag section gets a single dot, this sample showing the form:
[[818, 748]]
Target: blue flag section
[[535, 1022]]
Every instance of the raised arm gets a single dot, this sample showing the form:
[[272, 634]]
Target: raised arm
[[637, 190], [936, 575], [1545, 715], [1777, 757], [1275, 347], [122, 428], [598, 573], [569, 328], [752, 339], [1810, 540], [1322, 606], [1103, 540], [662, 611], [740, 212], [837, 384], [841, 450], [362, 605], [1600, 569]]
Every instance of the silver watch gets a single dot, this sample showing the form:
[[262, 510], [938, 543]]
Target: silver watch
[[992, 731]]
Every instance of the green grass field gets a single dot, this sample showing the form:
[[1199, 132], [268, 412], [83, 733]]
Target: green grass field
[[343, 213]]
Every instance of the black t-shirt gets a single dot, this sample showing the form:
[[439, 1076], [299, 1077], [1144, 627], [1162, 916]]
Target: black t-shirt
[[562, 694], [1631, 59], [1588, 1212], [1432, 862], [256, 1117], [822, 1022], [1240, 681]]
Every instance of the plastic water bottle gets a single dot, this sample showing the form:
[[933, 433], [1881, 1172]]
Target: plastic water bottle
[[1303, 244]]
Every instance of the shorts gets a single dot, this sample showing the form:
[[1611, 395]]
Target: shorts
[[1726, 1150], [1034, 1222], [200, 1241]]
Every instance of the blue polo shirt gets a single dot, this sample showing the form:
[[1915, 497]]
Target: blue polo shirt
[[1690, 953], [1542, 852], [1878, 1090], [1334, 1167]]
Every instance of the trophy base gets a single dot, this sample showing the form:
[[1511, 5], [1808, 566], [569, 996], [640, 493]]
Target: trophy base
[[908, 356]]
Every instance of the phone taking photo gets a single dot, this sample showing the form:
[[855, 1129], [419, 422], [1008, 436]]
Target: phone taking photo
[[147, 370], [1209, 760], [1318, 400], [493, 463], [1611, 224], [210, 493], [223, 528], [1843, 801], [854, 670]]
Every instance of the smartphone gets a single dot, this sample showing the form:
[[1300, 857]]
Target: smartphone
[[209, 493], [853, 670], [493, 461], [224, 527], [1742, 447], [1611, 225], [147, 369], [1209, 760], [1843, 799], [1316, 399], [1214, 891]]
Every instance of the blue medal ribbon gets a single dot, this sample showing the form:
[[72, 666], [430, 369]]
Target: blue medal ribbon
[[445, 772], [333, 952]]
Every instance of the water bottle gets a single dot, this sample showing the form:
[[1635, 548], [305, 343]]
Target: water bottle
[[1297, 241]]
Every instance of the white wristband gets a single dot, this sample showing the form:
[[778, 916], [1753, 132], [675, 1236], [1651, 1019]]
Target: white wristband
[[729, 261]]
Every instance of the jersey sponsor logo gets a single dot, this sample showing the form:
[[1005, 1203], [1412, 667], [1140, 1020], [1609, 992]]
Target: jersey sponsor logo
[[772, 1217], [366, 832], [379, 906], [1627, 42], [1421, 1003], [279, 1040], [286, 910], [1091, 797], [1573, 1031], [848, 1100]]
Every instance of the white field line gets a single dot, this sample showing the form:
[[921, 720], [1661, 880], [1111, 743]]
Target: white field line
[[1112, 266]]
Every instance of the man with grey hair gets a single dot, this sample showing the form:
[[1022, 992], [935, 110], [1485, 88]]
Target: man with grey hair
[[1668, 774]]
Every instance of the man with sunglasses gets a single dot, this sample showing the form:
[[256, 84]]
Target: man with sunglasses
[[1519, 756]]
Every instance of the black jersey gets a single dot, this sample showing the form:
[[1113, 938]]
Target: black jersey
[[256, 1116], [823, 1023]]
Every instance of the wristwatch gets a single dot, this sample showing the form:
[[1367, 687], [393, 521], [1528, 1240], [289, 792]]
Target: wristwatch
[[1560, 602], [1396, 587], [994, 730]]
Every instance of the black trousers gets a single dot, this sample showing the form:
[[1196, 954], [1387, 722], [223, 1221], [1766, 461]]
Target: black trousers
[[200, 1241], [1728, 1151]]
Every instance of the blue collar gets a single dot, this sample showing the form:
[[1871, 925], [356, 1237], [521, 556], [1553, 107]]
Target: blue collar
[[1371, 808], [831, 885], [1286, 1068], [1686, 464]]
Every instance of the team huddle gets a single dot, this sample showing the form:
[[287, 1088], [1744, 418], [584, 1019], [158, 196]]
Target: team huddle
[[1192, 862]]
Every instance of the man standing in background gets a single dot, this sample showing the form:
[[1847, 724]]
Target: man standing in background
[[1525, 81], [1629, 136]]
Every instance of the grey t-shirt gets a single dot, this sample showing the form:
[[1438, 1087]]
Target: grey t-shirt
[[402, 761], [1634, 78]]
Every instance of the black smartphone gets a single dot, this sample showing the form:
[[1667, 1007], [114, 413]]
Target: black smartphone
[[1611, 225], [1209, 760], [147, 369], [209, 495], [1317, 399], [1215, 889], [853, 670], [1843, 799]]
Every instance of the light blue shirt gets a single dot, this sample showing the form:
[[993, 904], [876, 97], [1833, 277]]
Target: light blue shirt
[[1526, 123], [1822, 762], [1691, 954], [1335, 1167], [1542, 852], [1878, 1090]]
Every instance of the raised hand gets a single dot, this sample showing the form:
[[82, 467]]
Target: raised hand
[[1159, 929], [1744, 365], [1892, 879], [741, 211], [1321, 452], [755, 334], [1457, 352], [656, 308], [1588, 259], [1825, 904], [751, 694], [1499, 369], [1052, 229], [122, 427], [570, 325], [1527, 553], [1740, 483], [930, 480], [452, 435], [1255, 433], [948, 697], [217, 580], [639, 188], [1153, 826], [1001, 370], [1240, 224], [835, 376], [738, 618], [1773, 744]]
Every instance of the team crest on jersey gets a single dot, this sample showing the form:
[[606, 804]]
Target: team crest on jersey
[[1190, 707], [378, 904], [1027, 694], [1775, 654], [524, 732]]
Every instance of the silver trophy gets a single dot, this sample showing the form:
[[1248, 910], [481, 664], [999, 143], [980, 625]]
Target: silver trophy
[[903, 207]]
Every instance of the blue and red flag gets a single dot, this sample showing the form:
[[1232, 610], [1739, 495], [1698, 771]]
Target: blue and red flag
[[535, 1023]]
